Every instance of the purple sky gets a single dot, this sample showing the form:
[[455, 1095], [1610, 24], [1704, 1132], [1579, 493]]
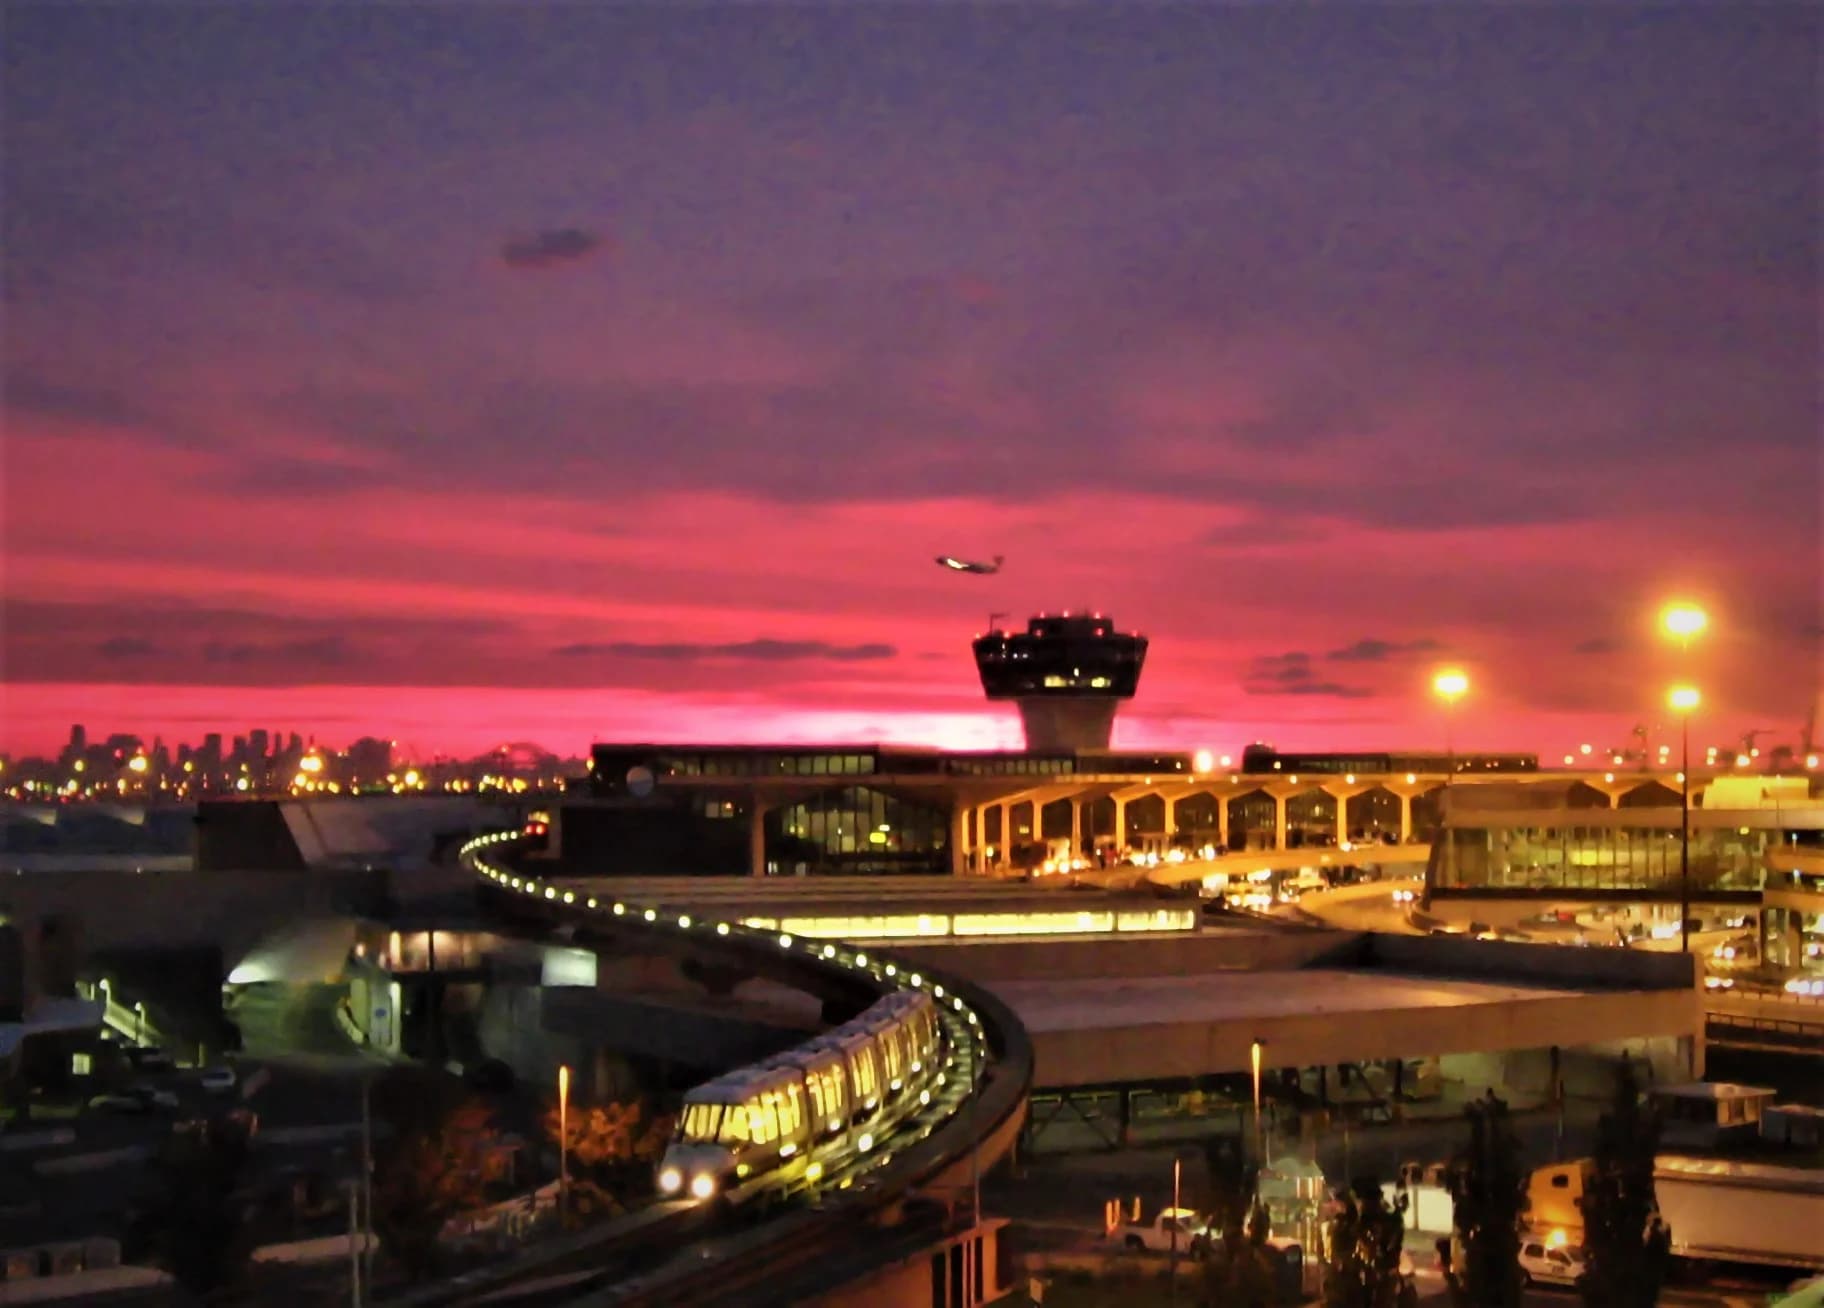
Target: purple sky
[[559, 371]]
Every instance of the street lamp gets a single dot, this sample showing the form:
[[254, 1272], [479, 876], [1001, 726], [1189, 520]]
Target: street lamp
[[1450, 686], [1682, 621], [563, 1144], [1683, 699], [1260, 1143]]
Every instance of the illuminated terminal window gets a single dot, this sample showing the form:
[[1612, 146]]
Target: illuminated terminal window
[[1601, 858], [916, 926]]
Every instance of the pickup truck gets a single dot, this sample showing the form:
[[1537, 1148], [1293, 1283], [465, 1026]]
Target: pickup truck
[[1157, 1234]]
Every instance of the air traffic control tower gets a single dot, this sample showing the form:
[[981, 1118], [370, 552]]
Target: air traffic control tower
[[1067, 673]]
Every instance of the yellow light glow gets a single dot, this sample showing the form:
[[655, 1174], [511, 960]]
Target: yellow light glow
[[1683, 698], [1683, 620], [1450, 684], [138, 763], [310, 763], [411, 778], [1203, 760]]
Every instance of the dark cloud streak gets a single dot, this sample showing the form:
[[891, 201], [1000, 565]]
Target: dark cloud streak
[[548, 249], [760, 650]]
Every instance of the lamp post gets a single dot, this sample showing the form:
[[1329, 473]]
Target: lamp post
[[1682, 620], [1172, 1274], [1449, 686], [1683, 699], [563, 1144], [1260, 1139], [367, 1181]]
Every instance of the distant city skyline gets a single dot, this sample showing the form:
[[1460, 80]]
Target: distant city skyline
[[565, 373]]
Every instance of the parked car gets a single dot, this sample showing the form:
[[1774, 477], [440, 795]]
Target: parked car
[[149, 1058], [1546, 1263], [218, 1080], [119, 1104], [152, 1095]]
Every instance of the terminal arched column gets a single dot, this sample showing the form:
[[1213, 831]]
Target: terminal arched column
[[756, 837]]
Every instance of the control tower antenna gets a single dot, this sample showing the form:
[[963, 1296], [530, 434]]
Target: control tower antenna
[[994, 621], [1068, 673]]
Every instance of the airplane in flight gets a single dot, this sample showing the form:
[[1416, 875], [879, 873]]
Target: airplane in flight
[[966, 565]]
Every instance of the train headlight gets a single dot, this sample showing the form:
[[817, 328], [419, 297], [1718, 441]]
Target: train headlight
[[702, 1185], [670, 1179]]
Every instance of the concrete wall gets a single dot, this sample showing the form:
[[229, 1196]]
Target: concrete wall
[[184, 909], [535, 1029], [910, 1280], [1173, 1050], [1503, 960]]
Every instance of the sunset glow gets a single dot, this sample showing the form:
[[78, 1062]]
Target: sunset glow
[[1322, 349]]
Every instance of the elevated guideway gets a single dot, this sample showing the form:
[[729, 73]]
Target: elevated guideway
[[684, 1254]]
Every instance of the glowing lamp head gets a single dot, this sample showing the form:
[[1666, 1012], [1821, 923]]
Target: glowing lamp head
[[1683, 621], [1202, 761], [1450, 684], [1683, 698], [137, 763]]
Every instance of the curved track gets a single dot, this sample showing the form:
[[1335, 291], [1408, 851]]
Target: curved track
[[685, 1253]]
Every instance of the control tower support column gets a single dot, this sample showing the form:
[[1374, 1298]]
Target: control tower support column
[[1067, 726]]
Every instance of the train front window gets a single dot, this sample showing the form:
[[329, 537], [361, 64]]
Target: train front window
[[699, 1121], [735, 1126]]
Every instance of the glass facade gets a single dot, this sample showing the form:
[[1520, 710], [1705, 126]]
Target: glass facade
[[858, 830], [1606, 858]]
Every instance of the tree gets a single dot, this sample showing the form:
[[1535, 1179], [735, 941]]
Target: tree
[[196, 1220], [1488, 1194], [1238, 1271], [612, 1149], [434, 1164], [1627, 1245], [1367, 1239]]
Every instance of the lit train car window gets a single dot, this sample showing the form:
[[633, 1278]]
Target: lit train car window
[[791, 1111], [763, 1117], [897, 1061], [699, 1122], [867, 1080], [735, 1126]]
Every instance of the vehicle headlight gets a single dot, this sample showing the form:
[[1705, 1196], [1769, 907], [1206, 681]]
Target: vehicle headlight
[[670, 1179], [702, 1185]]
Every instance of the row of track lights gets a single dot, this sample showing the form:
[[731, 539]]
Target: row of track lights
[[532, 888], [888, 972]]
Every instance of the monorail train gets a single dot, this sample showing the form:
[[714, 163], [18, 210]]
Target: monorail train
[[1257, 759], [770, 1125]]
